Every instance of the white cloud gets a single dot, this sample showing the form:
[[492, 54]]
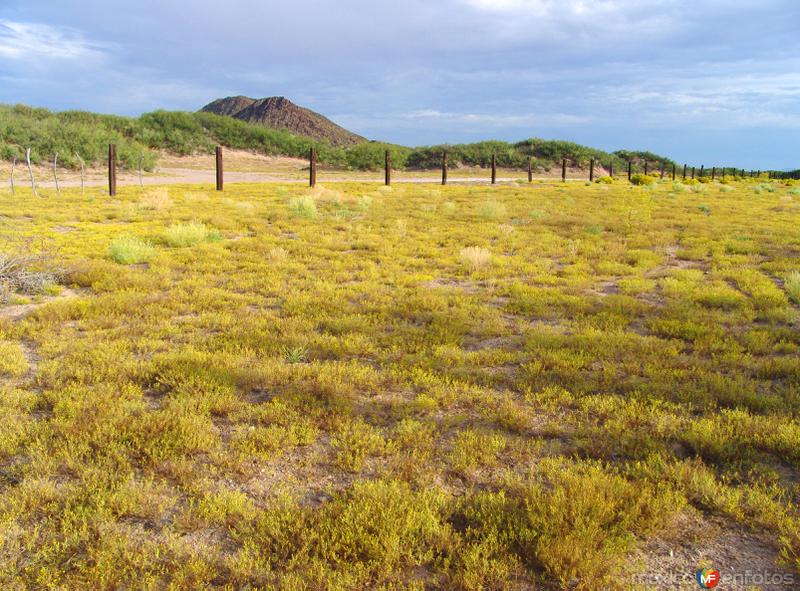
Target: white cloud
[[36, 42], [498, 120]]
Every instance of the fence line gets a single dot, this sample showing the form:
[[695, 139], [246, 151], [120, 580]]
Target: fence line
[[312, 167]]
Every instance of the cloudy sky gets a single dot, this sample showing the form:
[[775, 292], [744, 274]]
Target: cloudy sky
[[708, 81]]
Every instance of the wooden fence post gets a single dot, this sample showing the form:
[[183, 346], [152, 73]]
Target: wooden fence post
[[444, 168], [55, 172], [220, 170], [661, 172], [312, 167], [692, 172], [494, 168], [645, 167], [684, 172], [702, 168], [387, 161], [530, 170], [30, 171], [564, 170], [713, 173], [743, 173], [630, 170], [591, 170], [611, 169], [112, 170], [83, 167], [673, 171]]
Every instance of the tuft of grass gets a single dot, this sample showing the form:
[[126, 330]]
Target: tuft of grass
[[792, 286], [492, 210], [475, 257], [130, 250], [191, 234], [277, 253], [156, 200], [303, 207], [294, 354]]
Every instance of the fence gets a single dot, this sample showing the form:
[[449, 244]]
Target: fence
[[312, 168]]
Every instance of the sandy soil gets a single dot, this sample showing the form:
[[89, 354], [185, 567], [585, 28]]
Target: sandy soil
[[246, 167]]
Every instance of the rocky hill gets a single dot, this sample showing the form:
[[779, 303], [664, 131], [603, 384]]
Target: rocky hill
[[278, 112]]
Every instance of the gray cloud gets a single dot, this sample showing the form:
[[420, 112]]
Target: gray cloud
[[666, 75]]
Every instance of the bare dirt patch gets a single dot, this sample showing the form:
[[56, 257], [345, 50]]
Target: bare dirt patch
[[694, 541], [19, 311]]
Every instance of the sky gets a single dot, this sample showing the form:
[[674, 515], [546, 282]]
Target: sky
[[714, 82]]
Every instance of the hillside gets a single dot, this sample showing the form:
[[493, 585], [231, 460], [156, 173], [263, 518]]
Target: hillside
[[88, 134], [278, 112]]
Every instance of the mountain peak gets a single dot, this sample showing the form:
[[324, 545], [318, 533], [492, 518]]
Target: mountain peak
[[278, 112]]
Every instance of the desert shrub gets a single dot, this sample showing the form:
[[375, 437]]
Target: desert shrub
[[475, 257], [605, 180], [12, 359], [354, 442], [642, 179], [130, 250], [303, 207], [23, 269], [191, 234], [475, 448], [678, 187]]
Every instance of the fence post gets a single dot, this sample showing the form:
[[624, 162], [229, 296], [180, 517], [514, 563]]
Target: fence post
[[692, 172], [530, 170], [388, 167], [645, 167], [630, 170], [564, 170], [702, 169], [112, 170], [220, 172], [444, 168], [713, 173], [55, 172], [494, 168], [611, 169], [743, 173], [684, 172], [673, 172], [312, 167], [661, 172], [591, 170]]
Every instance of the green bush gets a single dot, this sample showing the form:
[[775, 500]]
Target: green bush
[[130, 250], [191, 234], [303, 207], [642, 179]]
